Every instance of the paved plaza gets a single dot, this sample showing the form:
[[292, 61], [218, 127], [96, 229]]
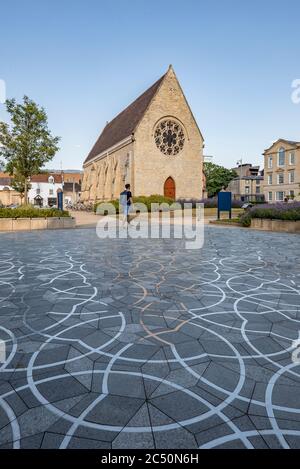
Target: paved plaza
[[144, 344]]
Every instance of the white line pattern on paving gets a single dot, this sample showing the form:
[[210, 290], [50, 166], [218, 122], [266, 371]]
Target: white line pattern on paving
[[141, 343]]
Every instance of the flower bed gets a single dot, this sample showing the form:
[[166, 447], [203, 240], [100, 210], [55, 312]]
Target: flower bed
[[279, 211], [213, 203]]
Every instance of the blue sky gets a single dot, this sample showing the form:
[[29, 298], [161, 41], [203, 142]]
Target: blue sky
[[84, 61]]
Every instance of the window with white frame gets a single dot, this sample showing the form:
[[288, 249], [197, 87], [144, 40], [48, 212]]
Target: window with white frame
[[38, 191], [270, 162], [280, 195], [270, 179], [281, 157], [280, 178], [292, 194], [291, 177], [247, 190], [270, 198], [50, 191], [51, 180], [292, 158]]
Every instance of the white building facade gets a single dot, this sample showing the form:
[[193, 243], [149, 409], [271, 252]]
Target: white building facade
[[44, 188]]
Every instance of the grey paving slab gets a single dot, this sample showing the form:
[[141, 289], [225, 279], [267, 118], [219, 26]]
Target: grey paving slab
[[145, 344]]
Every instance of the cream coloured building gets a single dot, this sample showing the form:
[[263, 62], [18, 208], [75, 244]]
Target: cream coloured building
[[155, 145], [282, 171], [248, 185]]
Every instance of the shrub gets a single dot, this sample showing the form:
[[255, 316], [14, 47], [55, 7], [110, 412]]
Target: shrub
[[115, 203], [237, 204], [211, 202], [160, 199], [188, 201], [279, 211], [245, 219], [31, 212], [147, 201], [153, 199]]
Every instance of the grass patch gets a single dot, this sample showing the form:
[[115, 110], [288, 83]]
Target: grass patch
[[228, 220]]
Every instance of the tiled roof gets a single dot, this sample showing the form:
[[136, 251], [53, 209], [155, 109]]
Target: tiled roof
[[45, 177], [259, 176], [291, 142], [5, 181], [125, 123]]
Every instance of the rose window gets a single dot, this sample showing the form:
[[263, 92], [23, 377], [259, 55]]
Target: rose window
[[169, 137]]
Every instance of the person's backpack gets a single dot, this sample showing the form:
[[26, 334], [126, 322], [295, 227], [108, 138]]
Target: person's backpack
[[123, 198]]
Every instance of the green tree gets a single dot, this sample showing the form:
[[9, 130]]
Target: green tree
[[27, 143], [18, 183], [217, 177]]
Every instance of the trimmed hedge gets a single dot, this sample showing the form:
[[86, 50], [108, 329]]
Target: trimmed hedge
[[152, 199], [115, 203], [279, 211], [160, 199], [31, 212]]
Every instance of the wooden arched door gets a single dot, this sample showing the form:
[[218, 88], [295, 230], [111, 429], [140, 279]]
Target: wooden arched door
[[169, 188]]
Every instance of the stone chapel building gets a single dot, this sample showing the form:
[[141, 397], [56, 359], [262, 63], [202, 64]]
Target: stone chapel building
[[155, 145]]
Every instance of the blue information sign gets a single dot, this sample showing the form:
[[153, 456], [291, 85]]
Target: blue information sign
[[60, 200], [224, 203]]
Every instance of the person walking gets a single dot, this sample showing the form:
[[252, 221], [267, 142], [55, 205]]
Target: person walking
[[126, 202]]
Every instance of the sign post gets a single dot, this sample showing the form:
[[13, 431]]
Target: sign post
[[224, 203], [60, 202]]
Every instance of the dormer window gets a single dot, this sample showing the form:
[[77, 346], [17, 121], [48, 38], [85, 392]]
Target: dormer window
[[51, 180]]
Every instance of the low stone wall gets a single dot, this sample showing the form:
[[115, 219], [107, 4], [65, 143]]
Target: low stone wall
[[28, 224], [275, 225]]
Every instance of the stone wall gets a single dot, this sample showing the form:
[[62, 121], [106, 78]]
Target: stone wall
[[104, 179], [151, 167], [28, 224], [275, 225], [141, 163], [9, 197]]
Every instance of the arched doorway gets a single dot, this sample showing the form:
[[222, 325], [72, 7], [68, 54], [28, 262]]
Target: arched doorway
[[169, 188]]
